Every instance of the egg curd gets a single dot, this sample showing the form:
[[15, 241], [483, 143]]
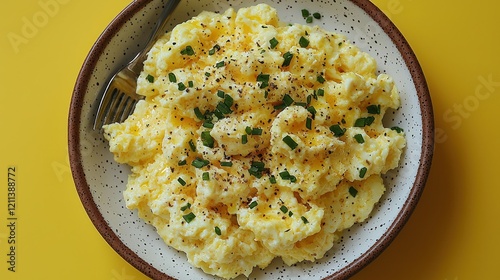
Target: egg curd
[[256, 139]]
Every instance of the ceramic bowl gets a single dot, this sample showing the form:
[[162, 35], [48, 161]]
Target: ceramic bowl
[[100, 181]]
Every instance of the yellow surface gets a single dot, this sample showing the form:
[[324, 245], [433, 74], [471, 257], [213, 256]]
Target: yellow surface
[[452, 235]]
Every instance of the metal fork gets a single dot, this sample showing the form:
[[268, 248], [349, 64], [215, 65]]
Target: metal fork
[[119, 98]]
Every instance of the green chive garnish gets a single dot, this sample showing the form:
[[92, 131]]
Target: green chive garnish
[[359, 138], [181, 86], [288, 58], [290, 213], [182, 162], [214, 49], [253, 204], [192, 145], [285, 175], [304, 219], [226, 163], [172, 78], [317, 15], [273, 43], [199, 163], [248, 130], [189, 217], [373, 109], [205, 176], [199, 114], [187, 51], [150, 78], [288, 100], [207, 139], [362, 172], [309, 123], [264, 79], [244, 139], [320, 92], [309, 19], [362, 122], [181, 181], [303, 42], [208, 124], [320, 79], [256, 131], [185, 207], [223, 108], [220, 64], [272, 179], [284, 209], [217, 231], [221, 94], [305, 13], [290, 142], [397, 129], [337, 130], [207, 74], [353, 191], [190, 84]]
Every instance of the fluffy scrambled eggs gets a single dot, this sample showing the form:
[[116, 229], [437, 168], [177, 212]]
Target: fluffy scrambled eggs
[[256, 140]]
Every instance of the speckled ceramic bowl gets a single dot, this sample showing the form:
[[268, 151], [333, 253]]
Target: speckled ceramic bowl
[[100, 181]]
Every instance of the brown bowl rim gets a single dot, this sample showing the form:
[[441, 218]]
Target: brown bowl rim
[[380, 245]]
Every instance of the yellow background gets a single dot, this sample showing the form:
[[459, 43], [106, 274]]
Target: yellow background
[[452, 235]]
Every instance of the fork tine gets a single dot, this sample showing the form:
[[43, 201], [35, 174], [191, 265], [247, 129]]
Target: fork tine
[[116, 98], [128, 108], [104, 106]]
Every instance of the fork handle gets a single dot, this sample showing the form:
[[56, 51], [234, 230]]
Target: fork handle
[[136, 64]]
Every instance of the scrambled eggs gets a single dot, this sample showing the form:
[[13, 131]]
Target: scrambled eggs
[[256, 140]]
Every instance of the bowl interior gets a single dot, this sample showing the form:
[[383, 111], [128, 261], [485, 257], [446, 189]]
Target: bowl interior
[[100, 181]]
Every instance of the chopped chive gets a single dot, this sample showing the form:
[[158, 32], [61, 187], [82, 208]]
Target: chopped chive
[[362, 122], [288, 100], [205, 176], [362, 172], [217, 231], [226, 163], [199, 163], [256, 131], [305, 13], [373, 109], [192, 145], [280, 106], [244, 139], [320, 92], [150, 78], [214, 49], [190, 84], [199, 114], [303, 42], [288, 58], [264, 79], [320, 79], [248, 130], [293, 179], [312, 110], [317, 15], [284, 209], [337, 130], [187, 51], [266, 94], [353, 191], [290, 142], [182, 162], [208, 124], [228, 100], [181, 86], [273, 43], [309, 123], [302, 104], [290, 213], [207, 74], [309, 19], [181, 181], [223, 108], [359, 138], [285, 175], [272, 179], [397, 129], [221, 94], [253, 204], [218, 114], [172, 78], [189, 217], [304, 219], [207, 139], [185, 207], [220, 64]]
